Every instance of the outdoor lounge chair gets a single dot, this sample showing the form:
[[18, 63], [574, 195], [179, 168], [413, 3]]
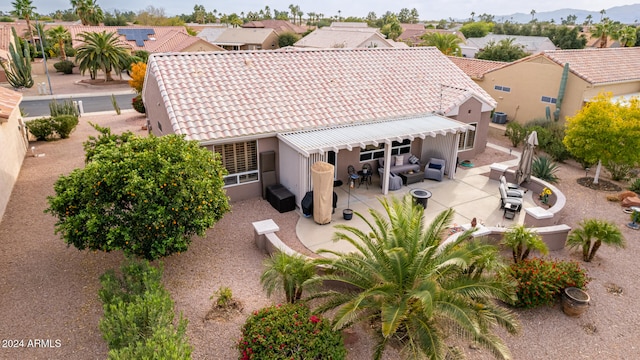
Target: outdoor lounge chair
[[514, 202], [434, 169], [511, 190]]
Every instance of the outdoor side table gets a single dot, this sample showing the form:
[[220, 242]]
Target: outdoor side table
[[420, 196], [509, 211]]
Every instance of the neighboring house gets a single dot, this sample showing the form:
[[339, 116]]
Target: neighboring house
[[242, 38], [279, 26], [531, 44], [343, 106], [413, 33], [347, 36], [525, 88], [13, 142], [149, 38], [476, 68]]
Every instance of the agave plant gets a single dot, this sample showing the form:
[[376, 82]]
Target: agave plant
[[545, 169], [595, 232]]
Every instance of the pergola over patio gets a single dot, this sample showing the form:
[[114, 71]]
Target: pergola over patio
[[314, 145]]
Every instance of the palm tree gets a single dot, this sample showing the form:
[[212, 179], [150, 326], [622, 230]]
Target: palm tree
[[602, 12], [61, 36], [533, 14], [288, 272], [24, 9], [604, 30], [100, 51], [598, 231], [627, 36], [88, 11], [521, 241], [415, 290], [448, 44]]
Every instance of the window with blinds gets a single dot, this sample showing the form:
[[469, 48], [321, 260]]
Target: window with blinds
[[467, 139], [240, 160]]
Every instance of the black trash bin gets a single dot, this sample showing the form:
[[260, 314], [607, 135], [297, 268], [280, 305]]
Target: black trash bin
[[420, 196]]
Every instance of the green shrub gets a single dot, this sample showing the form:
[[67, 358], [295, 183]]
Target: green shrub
[[64, 108], [64, 66], [635, 186], [40, 128], [516, 133], [223, 296], [6, 19], [138, 105], [138, 315], [619, 172], [544, 168], [289, 332], [64, 124], [540, 282], [69, 50]]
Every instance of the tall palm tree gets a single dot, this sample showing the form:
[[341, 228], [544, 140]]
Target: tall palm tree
[[100, 51], [521, 241], [89, 12], [24, 9], [416, 290], [289, 272], [448, 44], [61, 36], [627, 36], [596, 232], [604, 30]]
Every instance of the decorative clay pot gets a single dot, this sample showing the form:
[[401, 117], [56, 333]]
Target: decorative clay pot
[[574, 301]]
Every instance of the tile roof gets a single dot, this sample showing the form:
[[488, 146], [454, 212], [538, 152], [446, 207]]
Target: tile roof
[[476, 68], [532, 44], [243, 36], [162, 34], [220, 95], [9, 100], [598, 66], [178, 41], [211, 34], [280, 26], [341, 37]]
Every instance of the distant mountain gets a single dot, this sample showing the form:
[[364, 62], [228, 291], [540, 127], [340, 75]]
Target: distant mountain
[[627, 14]]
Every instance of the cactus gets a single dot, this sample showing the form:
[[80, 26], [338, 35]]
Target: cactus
[[18, 69], [114, 102], [563, 86]]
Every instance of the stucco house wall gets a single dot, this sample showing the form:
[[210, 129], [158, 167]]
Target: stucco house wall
[[13, 142]]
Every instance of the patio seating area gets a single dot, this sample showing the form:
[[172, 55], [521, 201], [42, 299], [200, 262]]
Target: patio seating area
[[472, 194]]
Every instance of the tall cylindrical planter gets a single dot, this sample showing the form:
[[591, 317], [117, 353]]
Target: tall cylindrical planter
[[574, 301]]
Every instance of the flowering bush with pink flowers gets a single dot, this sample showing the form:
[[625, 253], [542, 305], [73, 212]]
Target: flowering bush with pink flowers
[[289, 332]]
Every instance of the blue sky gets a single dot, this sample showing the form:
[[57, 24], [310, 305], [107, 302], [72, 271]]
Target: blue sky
[[428, 10]]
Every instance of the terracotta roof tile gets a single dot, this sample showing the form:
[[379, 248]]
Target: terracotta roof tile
[[476, 68], [9, 100], [599, 66], [162, 34], [241, 93]]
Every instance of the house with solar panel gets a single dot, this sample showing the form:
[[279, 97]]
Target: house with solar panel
[[153, 39], [341, 106]]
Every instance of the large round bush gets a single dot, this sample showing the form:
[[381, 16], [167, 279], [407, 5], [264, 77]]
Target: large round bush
[[289, 332]]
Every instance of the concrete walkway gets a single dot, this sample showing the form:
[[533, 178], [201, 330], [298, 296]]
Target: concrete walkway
[[471, 194]]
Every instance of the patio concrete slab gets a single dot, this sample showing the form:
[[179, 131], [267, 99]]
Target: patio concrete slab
[[471, 194]]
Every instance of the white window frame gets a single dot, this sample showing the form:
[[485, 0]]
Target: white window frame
[[468, 138], [376, 153], [240, 177]]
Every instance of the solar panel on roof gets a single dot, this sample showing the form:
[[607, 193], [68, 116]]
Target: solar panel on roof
[[137, 35]]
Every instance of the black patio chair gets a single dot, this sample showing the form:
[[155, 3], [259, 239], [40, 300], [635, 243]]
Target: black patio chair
[[365, 175]]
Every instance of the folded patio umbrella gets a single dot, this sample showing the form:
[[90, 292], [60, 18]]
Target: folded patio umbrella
[[523, 173]]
